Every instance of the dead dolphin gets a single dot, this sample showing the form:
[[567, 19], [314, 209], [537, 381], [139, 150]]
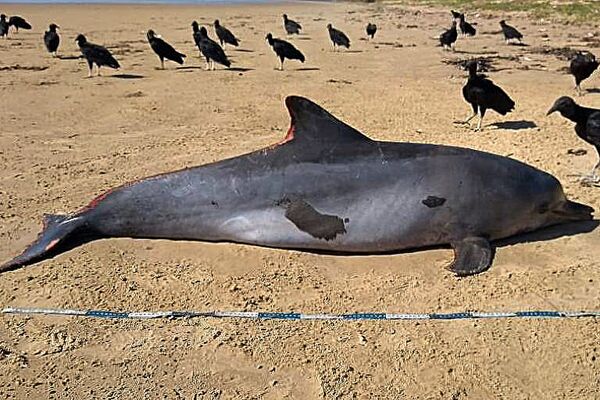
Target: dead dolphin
[[328, 187]]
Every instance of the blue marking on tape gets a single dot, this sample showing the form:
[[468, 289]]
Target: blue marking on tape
[[278, 315], [462, 315], [107, 314], [537, 314], [370, 316]]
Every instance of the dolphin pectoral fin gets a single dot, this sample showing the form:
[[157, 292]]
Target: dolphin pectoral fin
[[472, 255], [50, 241]]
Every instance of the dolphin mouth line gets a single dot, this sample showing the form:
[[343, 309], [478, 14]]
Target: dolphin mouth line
[[573, 211]]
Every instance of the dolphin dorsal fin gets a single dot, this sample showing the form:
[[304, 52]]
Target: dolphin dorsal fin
[[312, 124]]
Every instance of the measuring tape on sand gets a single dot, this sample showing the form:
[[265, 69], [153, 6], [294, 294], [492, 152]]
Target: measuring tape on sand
[[294, 316]]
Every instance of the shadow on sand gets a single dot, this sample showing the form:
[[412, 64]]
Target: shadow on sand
[[69, 57], [540, 235], [515, 125], [463, 52], [127, 76], [550, 233], [198, 67], [239, 69], [188, 67]]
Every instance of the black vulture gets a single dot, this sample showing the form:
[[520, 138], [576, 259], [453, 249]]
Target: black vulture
[[338, 38], [163, 49], [371, 29], [581, 67], [284, 50], [465, 27], [225, 35], [587, 127], [51, 39], [18, 22], [211, 49], [448, 38], [483, 94], [510, 32], [95, 54], [291, 26], [3, 26], [196, 34]]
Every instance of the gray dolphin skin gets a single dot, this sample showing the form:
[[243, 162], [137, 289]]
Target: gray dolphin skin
[[327, 187]]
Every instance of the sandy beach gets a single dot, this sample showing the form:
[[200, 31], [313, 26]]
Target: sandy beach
[[65, 139]]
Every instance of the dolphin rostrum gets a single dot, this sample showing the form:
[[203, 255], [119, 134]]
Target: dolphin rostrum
[[328, 187]]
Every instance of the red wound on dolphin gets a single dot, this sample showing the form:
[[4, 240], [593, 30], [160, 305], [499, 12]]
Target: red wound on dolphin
[[52, 244], [288, 137]]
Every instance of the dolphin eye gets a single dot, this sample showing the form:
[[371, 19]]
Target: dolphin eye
[[543, 208]]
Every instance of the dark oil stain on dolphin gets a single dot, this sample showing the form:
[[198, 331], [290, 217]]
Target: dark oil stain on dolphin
[[434, 201], [309, 220]]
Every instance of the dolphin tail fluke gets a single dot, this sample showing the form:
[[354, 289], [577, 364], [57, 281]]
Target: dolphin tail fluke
[[50, 242]]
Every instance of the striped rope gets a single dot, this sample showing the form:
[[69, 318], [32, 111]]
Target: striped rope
[[296, 316]]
